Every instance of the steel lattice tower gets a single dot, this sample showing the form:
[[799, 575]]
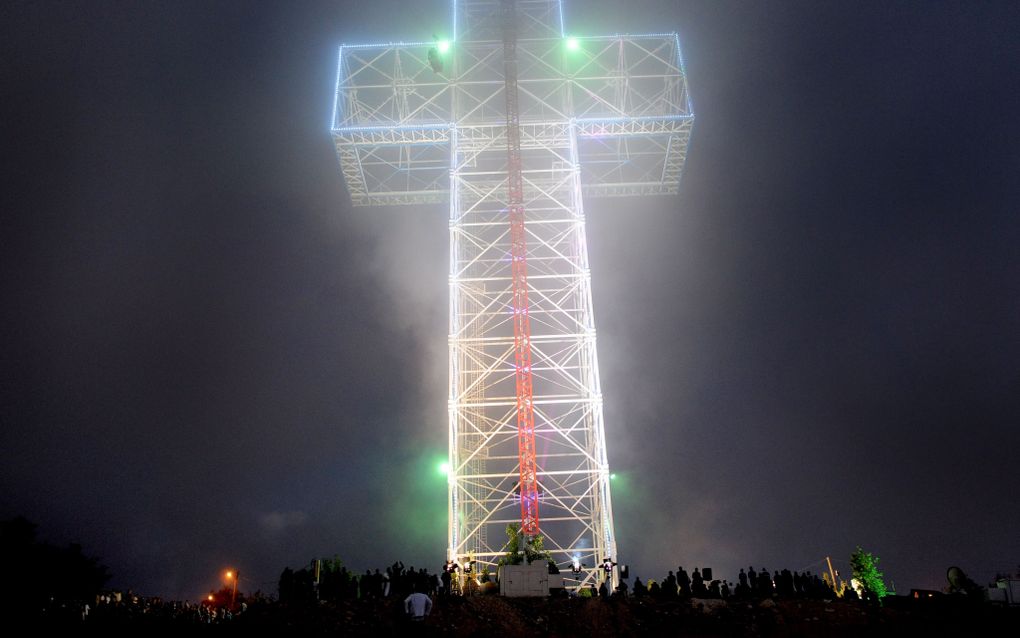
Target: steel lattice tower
[[513, 129]]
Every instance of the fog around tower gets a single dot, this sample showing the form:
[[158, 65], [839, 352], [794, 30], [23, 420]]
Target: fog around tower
[[209, 358]]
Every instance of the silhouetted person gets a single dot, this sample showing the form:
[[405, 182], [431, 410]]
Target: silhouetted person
[[639, 587], [446, 582], [621, 589], [786, 583], [698, 584], [742, 577], [683, 581], [603, 590], [653, 589], [752, 580], [725, 590], [669, 586], [764, 584]]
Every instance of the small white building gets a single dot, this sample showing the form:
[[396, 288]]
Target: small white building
[[527, 580], [1006, 590]]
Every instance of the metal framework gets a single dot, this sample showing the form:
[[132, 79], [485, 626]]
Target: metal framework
[[596, 116]]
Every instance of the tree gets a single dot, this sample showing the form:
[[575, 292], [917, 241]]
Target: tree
[[865, 570], [297, 587], [534, 548], [37, 573], [224, 596], [513, 554]]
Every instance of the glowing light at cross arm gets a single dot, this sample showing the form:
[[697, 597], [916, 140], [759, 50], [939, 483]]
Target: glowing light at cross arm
[[443, 46], [573, 44], [444, 468]]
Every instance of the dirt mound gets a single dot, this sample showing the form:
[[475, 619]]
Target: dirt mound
[[517, 617]]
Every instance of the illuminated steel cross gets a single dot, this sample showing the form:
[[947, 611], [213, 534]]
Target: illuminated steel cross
[[511, 121]]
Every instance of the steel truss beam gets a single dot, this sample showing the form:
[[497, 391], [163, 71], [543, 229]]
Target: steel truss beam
[[573, 469], [626, 93]]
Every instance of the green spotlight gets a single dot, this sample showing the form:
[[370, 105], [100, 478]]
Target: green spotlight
[[612, 477], [443, 46], [573, 44], [444, 468]]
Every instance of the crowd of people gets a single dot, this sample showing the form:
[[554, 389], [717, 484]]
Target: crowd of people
[[398, 582], [749, 584], [414, 590], [332, 581], [126, 608]]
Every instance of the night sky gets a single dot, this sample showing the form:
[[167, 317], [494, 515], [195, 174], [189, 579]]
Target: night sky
[[208, 358]]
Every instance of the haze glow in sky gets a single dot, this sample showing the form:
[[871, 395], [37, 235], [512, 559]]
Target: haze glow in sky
[[208, 359]]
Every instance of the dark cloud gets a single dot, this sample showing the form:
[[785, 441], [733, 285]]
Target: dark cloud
[[209, 358]]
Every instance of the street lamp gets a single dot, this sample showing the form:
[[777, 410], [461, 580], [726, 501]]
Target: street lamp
[[232, 575]]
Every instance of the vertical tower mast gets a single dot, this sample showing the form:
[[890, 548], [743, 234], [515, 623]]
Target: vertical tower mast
[[519, 273]]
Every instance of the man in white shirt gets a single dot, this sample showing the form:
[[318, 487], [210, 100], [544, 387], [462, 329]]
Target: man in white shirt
[[417, 606]]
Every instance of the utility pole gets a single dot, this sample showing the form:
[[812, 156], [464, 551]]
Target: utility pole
[[832, 575]]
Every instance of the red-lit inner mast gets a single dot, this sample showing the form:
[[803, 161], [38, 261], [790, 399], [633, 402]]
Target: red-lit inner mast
[[518, 250]]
